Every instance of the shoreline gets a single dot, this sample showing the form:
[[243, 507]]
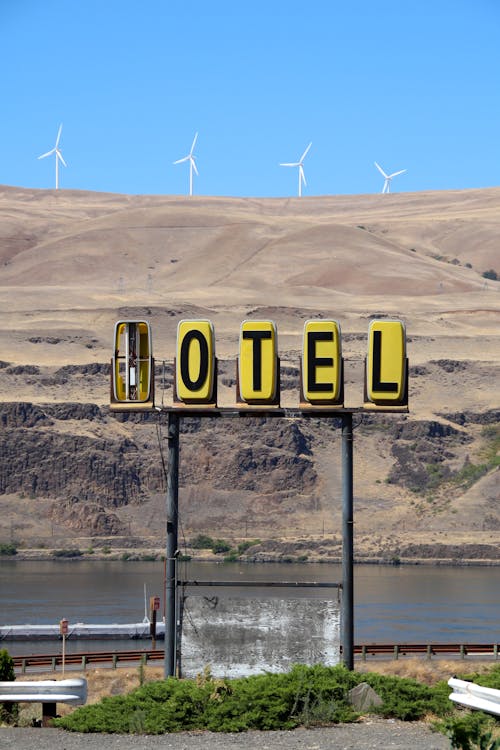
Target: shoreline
[[124, 555]]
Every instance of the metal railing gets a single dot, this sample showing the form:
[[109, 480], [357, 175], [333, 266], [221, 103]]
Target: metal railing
[[114, 659], [460, 650]]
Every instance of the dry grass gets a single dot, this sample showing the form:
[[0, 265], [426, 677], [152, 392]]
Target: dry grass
[[427, 671]]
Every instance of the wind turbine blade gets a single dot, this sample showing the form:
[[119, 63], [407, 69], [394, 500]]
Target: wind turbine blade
[[60, 156], [291, 164], [194, 143], [47, 154], [302, 175], [395, 174], [193, 163], [184, 158], [380, 170], [58, 135], [305, 153]]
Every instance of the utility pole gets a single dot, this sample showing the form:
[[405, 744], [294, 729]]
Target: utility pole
[[172, 546], [347, 543]]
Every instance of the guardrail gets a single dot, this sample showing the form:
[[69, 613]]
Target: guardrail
[[46, 692], [83, 659], [475, 696], [462, 650], [113, 659]]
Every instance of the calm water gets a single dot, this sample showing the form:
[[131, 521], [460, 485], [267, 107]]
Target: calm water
[[392, 604]]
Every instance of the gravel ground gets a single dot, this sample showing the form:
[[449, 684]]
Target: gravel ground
[[378, 734]]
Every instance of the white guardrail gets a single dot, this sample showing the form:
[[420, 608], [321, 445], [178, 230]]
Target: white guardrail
[[475, 696], [45, 691]]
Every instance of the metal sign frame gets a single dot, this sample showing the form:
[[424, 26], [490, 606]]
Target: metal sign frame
[[272, 409]]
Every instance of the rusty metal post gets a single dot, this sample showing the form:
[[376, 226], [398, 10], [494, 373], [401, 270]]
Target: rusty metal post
[[347, 543], [172, 544], [49, 713]]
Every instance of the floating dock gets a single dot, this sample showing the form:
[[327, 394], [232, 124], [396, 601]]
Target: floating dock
[[85, 631]]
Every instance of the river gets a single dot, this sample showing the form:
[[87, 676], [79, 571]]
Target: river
[[393, 604]]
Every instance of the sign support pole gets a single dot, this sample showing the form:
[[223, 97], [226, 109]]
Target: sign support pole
[[172, 546], [347, 543]]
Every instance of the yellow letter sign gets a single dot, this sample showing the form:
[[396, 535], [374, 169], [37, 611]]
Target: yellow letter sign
[[258, 362], [195, 362], [322, 362], [386, 363]]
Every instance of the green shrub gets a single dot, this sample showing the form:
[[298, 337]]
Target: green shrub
[[243, 546], [67, 553], [470, 732], [202, 541], [235, 553], [8, 711], [490, 274], [219, 546], [306, 695], [407, 699], [7, 673], [7, 548]]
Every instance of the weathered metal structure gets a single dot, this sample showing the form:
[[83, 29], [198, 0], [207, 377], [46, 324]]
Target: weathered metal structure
[[258, 395]]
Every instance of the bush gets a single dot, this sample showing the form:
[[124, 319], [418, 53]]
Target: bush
[[407, 699], [491, 274], [243, 546], [7, 673], [235, 553], [470, 731], [8, 711], [67, 553], [219, 546], [305, 695], [8, 549], [202, 541]]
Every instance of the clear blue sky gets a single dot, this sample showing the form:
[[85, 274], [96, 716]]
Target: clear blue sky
[[413, 86]]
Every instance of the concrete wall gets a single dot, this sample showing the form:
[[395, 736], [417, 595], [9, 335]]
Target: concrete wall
[[239, 637]]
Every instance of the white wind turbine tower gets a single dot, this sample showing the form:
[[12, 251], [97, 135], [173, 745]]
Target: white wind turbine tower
[[59, 157], [192, 163], [300, 165], [388, 177]]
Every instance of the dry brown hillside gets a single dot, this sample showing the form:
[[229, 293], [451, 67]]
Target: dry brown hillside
[[71, 474]]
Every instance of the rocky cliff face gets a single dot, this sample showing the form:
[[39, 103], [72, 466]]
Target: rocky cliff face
[[101, 471]]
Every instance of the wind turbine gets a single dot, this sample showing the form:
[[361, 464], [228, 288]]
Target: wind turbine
[[388, 177], [192, 163], [300, 165], [59, 157]]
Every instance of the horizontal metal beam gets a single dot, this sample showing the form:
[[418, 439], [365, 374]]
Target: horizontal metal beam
[[253, 410], [265, 584]]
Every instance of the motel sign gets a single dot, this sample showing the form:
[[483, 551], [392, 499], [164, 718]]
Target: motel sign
[[321, 372]]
